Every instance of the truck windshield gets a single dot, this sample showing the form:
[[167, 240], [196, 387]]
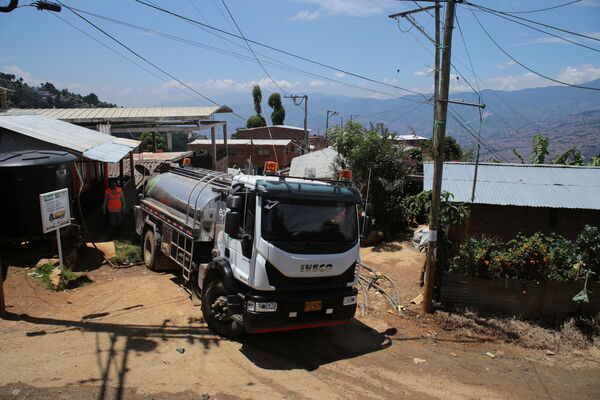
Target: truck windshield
[[308, 221]]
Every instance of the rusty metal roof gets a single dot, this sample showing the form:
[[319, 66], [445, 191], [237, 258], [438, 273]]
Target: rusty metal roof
[[531, 185], [86, 142]]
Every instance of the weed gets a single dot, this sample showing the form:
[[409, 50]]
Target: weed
[[565, 335], [126, 252], [67, 279]]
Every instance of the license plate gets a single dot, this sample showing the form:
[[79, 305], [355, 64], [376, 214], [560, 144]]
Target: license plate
[[313, 305]]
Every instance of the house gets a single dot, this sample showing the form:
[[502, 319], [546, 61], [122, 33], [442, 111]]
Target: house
[[243, 152], [280, 132], [510, 198], [317, 164], [409, 141], [94, 151]]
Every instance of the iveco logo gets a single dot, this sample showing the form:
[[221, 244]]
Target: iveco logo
[[316, 267]]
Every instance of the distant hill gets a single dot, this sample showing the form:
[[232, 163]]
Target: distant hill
[[568, 116], [45, 95]]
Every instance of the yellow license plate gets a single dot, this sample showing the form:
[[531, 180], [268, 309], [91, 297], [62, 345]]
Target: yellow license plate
[[313, 305]]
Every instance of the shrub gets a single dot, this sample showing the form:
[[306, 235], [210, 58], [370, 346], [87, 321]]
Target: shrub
[[538, 257]]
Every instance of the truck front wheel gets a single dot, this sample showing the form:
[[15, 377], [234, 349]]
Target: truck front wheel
[[216, 313], [150, 250]]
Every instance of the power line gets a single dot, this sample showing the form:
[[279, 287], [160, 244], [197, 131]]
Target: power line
[[143, 58], [542, 9], [543, 31], [276, 49], [526, 67], [276, 64], [533, 22], [250, 47]]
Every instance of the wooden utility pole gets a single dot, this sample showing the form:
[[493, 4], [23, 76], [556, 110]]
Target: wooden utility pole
[[438, 158], [436, 71], [305, 100]]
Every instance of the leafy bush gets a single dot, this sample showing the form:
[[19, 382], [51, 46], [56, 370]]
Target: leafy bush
[[126, 253], [418, 206], [537, 257]]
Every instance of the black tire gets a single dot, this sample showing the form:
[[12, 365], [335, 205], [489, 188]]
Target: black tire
[[150, 250], [214, 303]]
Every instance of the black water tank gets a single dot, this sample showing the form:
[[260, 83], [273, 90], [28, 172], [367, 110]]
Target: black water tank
[[24, 175]]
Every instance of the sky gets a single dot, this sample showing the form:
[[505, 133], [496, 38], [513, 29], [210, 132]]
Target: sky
[[355, 36]]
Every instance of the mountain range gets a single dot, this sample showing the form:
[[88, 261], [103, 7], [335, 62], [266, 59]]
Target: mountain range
[[568, 116]]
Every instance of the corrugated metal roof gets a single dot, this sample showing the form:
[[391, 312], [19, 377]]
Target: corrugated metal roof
[[293, 128], [256, 142], [91, 144], [533, 185], [317, 163], [409, 137], [115, 114]]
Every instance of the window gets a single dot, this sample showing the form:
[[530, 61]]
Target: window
[[263, 152]]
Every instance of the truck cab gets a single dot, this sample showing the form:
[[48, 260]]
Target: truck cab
[[293, 246]]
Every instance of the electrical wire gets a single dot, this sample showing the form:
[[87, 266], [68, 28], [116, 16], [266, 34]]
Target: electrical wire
[[144, 58], [276, 49], [542, 9], [544, 32], [492, 11], [523, 65]]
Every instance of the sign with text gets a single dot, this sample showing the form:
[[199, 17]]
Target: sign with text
[[56, 212]]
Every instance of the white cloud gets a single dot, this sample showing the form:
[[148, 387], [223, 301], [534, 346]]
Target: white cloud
[[581, 74], [305, 15], [507, 65], [353, 8], [19, 73], [517, 82], [339, 74], [424, 72], [220, 86], [316, 84]]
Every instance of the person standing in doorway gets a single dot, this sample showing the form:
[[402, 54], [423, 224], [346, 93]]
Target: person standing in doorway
[[114, 204]]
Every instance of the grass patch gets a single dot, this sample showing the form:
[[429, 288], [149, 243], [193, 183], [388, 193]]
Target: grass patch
[[67, 279], [126, 253], [560, 335]]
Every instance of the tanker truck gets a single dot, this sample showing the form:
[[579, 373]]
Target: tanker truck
[[261, 253]]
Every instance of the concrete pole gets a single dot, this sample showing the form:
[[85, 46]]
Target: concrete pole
[[438, 158]]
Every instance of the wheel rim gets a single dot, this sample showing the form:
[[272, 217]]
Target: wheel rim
[[147, 251], [220, 309]]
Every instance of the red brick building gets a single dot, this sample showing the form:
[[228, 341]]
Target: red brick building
[[243, 151], [280, 132]]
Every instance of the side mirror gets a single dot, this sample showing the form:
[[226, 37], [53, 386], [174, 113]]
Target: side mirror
[[232, 223], [366, 227], [369, 209]]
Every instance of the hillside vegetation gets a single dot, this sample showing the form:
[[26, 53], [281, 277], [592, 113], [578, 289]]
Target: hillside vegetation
[[45, 95]]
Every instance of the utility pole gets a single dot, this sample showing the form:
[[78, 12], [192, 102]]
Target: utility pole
[[353, 115], [438, 158], [305, 101], [329, 112]]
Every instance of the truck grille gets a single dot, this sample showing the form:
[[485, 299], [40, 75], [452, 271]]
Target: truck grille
[[284, 283]]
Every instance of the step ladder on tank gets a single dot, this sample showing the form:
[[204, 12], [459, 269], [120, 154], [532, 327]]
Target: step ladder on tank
[[182, 244]]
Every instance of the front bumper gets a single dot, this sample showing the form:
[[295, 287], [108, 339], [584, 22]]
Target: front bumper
[[289, 302]]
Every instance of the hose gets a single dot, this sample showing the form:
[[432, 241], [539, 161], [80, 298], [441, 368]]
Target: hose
[[370, 280]]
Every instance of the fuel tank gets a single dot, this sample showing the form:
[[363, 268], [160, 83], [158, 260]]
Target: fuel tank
[[192, 199]]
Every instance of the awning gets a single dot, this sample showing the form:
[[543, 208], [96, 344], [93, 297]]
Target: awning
[[86, 142]]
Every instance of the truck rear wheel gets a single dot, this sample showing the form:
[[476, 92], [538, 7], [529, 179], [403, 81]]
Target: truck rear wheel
[[216, 313], [150, 250]]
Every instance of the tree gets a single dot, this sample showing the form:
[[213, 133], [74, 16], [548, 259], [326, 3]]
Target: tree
[[278, 114], [540, 149], [253, 121], [91, 99], [452, 150], [360, 150], [570, 157], [148, 141]]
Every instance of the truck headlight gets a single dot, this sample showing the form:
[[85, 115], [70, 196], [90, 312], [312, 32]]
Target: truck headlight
[[261, 307], [349, 300]]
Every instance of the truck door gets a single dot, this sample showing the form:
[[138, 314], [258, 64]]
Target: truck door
[[241, 248]]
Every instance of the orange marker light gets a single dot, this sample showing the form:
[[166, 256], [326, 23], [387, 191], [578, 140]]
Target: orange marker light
[[345, 175], [187, 161], [271, 166]]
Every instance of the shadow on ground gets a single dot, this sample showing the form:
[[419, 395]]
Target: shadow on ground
[[310, 348]]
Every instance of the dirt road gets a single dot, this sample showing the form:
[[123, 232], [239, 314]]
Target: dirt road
[[135, 334]]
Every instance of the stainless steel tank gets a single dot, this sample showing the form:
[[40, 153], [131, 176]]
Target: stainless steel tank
[[188, 197]]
